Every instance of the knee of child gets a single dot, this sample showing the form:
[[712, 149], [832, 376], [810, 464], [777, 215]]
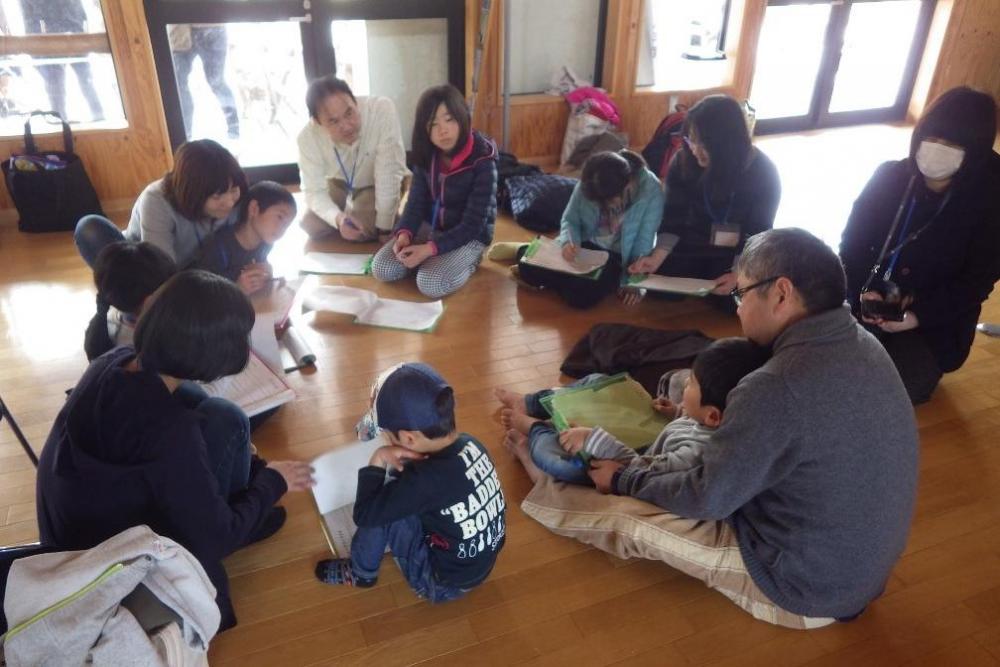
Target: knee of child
[[433, 285], [225, 414]]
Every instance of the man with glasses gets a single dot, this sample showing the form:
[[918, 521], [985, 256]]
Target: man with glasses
[[804, 500]]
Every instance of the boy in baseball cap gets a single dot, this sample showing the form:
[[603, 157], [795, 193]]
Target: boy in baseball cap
[[431, 494]]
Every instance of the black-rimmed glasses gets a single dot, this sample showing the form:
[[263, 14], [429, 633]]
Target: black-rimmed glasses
[[739, 292]]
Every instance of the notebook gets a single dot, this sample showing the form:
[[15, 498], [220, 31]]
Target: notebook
[[368, 308], [256, 389], [547, 254], [336, 263], [618, 404], [673, 284], [336, 475]]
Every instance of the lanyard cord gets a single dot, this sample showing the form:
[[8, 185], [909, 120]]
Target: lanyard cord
[[343, 169]]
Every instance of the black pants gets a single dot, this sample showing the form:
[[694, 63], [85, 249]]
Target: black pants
[[915, 362], [578, 292]]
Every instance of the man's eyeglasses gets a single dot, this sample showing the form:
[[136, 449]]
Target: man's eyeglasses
[[739, 292]]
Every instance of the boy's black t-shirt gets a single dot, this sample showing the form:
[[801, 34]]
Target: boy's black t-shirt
[[223, 255], [456, 494]]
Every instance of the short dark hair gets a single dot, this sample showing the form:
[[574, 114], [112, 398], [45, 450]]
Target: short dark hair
[[321, 88], [125, 273], [444, 404], [196, 327], [605, 175], [427, 105], [202, 168], [720, 367], [266, 194], [721, 127], [812, 267], [962, 116]]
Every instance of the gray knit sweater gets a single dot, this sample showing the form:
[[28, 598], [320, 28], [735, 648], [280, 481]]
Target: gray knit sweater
[[814, 467]]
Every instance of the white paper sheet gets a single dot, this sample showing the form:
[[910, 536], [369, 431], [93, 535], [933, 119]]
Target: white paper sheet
[[335, 263], [372, 310], [256, 389], [676, 285], [549, 256], [336, 475], [264, 343]]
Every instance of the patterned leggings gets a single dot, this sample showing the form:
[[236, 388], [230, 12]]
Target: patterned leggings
[[438, 276]]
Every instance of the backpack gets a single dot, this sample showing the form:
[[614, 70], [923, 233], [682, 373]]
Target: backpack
[[508, 166], [666, 141]]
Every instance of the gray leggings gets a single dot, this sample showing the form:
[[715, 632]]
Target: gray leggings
[[438, 276]]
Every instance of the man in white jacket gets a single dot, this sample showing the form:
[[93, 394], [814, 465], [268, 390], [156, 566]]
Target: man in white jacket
[[351, 162]]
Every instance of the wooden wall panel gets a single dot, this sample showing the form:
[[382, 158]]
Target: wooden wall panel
[[120, 162], [970, 52]]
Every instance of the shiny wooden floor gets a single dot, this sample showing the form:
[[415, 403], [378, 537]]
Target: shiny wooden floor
[[550, 600]]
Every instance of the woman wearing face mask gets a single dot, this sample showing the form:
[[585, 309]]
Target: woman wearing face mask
[[178, 212], [922, 246]]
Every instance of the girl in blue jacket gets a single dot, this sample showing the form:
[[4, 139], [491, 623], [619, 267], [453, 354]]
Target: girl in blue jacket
[[451, 207], [617, 207]]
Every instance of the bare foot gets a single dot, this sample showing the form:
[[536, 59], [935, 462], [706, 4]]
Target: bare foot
[[511, 399], [518, 421], [517, 444]]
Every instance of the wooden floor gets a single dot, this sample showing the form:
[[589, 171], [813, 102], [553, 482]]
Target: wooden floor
[[550, 600]]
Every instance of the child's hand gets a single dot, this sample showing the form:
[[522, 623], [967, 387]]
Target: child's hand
[[569, 251], [395, 456], [254, 277], [666, 407], [602, 472], [413, 256], [572, 439], [402, 241], [631, 296], [298, 475]]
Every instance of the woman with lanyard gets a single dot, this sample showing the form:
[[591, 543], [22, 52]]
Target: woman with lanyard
[[178, 212], [451, 206], [922, 246], [351, 162], [720, 190]]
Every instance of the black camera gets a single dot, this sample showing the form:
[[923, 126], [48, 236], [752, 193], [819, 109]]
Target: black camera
[[885, 310]]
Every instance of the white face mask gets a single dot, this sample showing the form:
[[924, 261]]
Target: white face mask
[[937, 161]]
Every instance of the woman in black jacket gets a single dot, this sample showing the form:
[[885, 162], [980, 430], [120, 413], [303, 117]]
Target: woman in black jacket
[[922, 246], [130, 447]]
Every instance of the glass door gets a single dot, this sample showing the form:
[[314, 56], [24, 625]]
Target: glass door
[[823, 63], [236, 71]]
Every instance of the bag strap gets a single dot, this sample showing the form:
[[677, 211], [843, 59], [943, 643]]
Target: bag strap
[[29, 138]]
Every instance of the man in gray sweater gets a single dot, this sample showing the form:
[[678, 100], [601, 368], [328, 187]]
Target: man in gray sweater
[[812, 473]]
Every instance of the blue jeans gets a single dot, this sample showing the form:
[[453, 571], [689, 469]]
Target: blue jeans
[[543, 439], [405, 539], [226, 431], [92, 234]]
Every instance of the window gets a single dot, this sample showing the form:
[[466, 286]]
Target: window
[[545, 36], [57, 58], [682, 44]]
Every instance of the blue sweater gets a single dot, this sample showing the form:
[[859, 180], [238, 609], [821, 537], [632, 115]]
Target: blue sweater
[[814, 467], [467, 195], [638, 231]]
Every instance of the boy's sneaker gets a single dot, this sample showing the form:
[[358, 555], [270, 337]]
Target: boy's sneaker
[[339, 571]]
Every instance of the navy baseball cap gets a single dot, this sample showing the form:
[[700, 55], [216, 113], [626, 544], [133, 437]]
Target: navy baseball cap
[[405, 398]]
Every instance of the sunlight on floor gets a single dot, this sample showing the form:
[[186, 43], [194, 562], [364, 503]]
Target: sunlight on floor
[[37, 313]]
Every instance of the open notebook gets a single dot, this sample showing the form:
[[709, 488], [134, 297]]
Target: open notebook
[[336, 263], [673, 284], [618, 404], [368, 308], [336, 475], [547, 254]]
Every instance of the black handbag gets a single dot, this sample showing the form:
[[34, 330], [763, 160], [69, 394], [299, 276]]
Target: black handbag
[[50, 189]]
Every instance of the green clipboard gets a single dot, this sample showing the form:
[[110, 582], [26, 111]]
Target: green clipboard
[[618, 404], [536, 243]]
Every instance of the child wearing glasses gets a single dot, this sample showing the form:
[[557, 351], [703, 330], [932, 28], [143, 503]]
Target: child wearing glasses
[[715, 372]]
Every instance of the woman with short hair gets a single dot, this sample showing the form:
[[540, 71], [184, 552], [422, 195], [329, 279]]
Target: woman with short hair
[[922, 245], [137, 443], [178, 212]]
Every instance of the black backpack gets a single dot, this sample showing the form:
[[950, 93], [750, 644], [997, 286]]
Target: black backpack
[[507, 166]]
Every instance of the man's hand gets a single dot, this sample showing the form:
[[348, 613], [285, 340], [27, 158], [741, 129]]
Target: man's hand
[[724, 284], [349, 229], [572, 439], [602, 472], [298, 475], [394, 456], [649, 264], [413, 256], [569, 251]]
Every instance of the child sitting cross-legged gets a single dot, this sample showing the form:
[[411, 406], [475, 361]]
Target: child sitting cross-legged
[[431, 494], [715, 372]]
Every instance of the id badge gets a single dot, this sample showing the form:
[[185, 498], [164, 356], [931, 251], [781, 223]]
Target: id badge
[[725, 235], [349, 201]]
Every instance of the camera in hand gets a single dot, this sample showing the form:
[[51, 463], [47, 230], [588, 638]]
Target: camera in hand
[[885, 310]]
